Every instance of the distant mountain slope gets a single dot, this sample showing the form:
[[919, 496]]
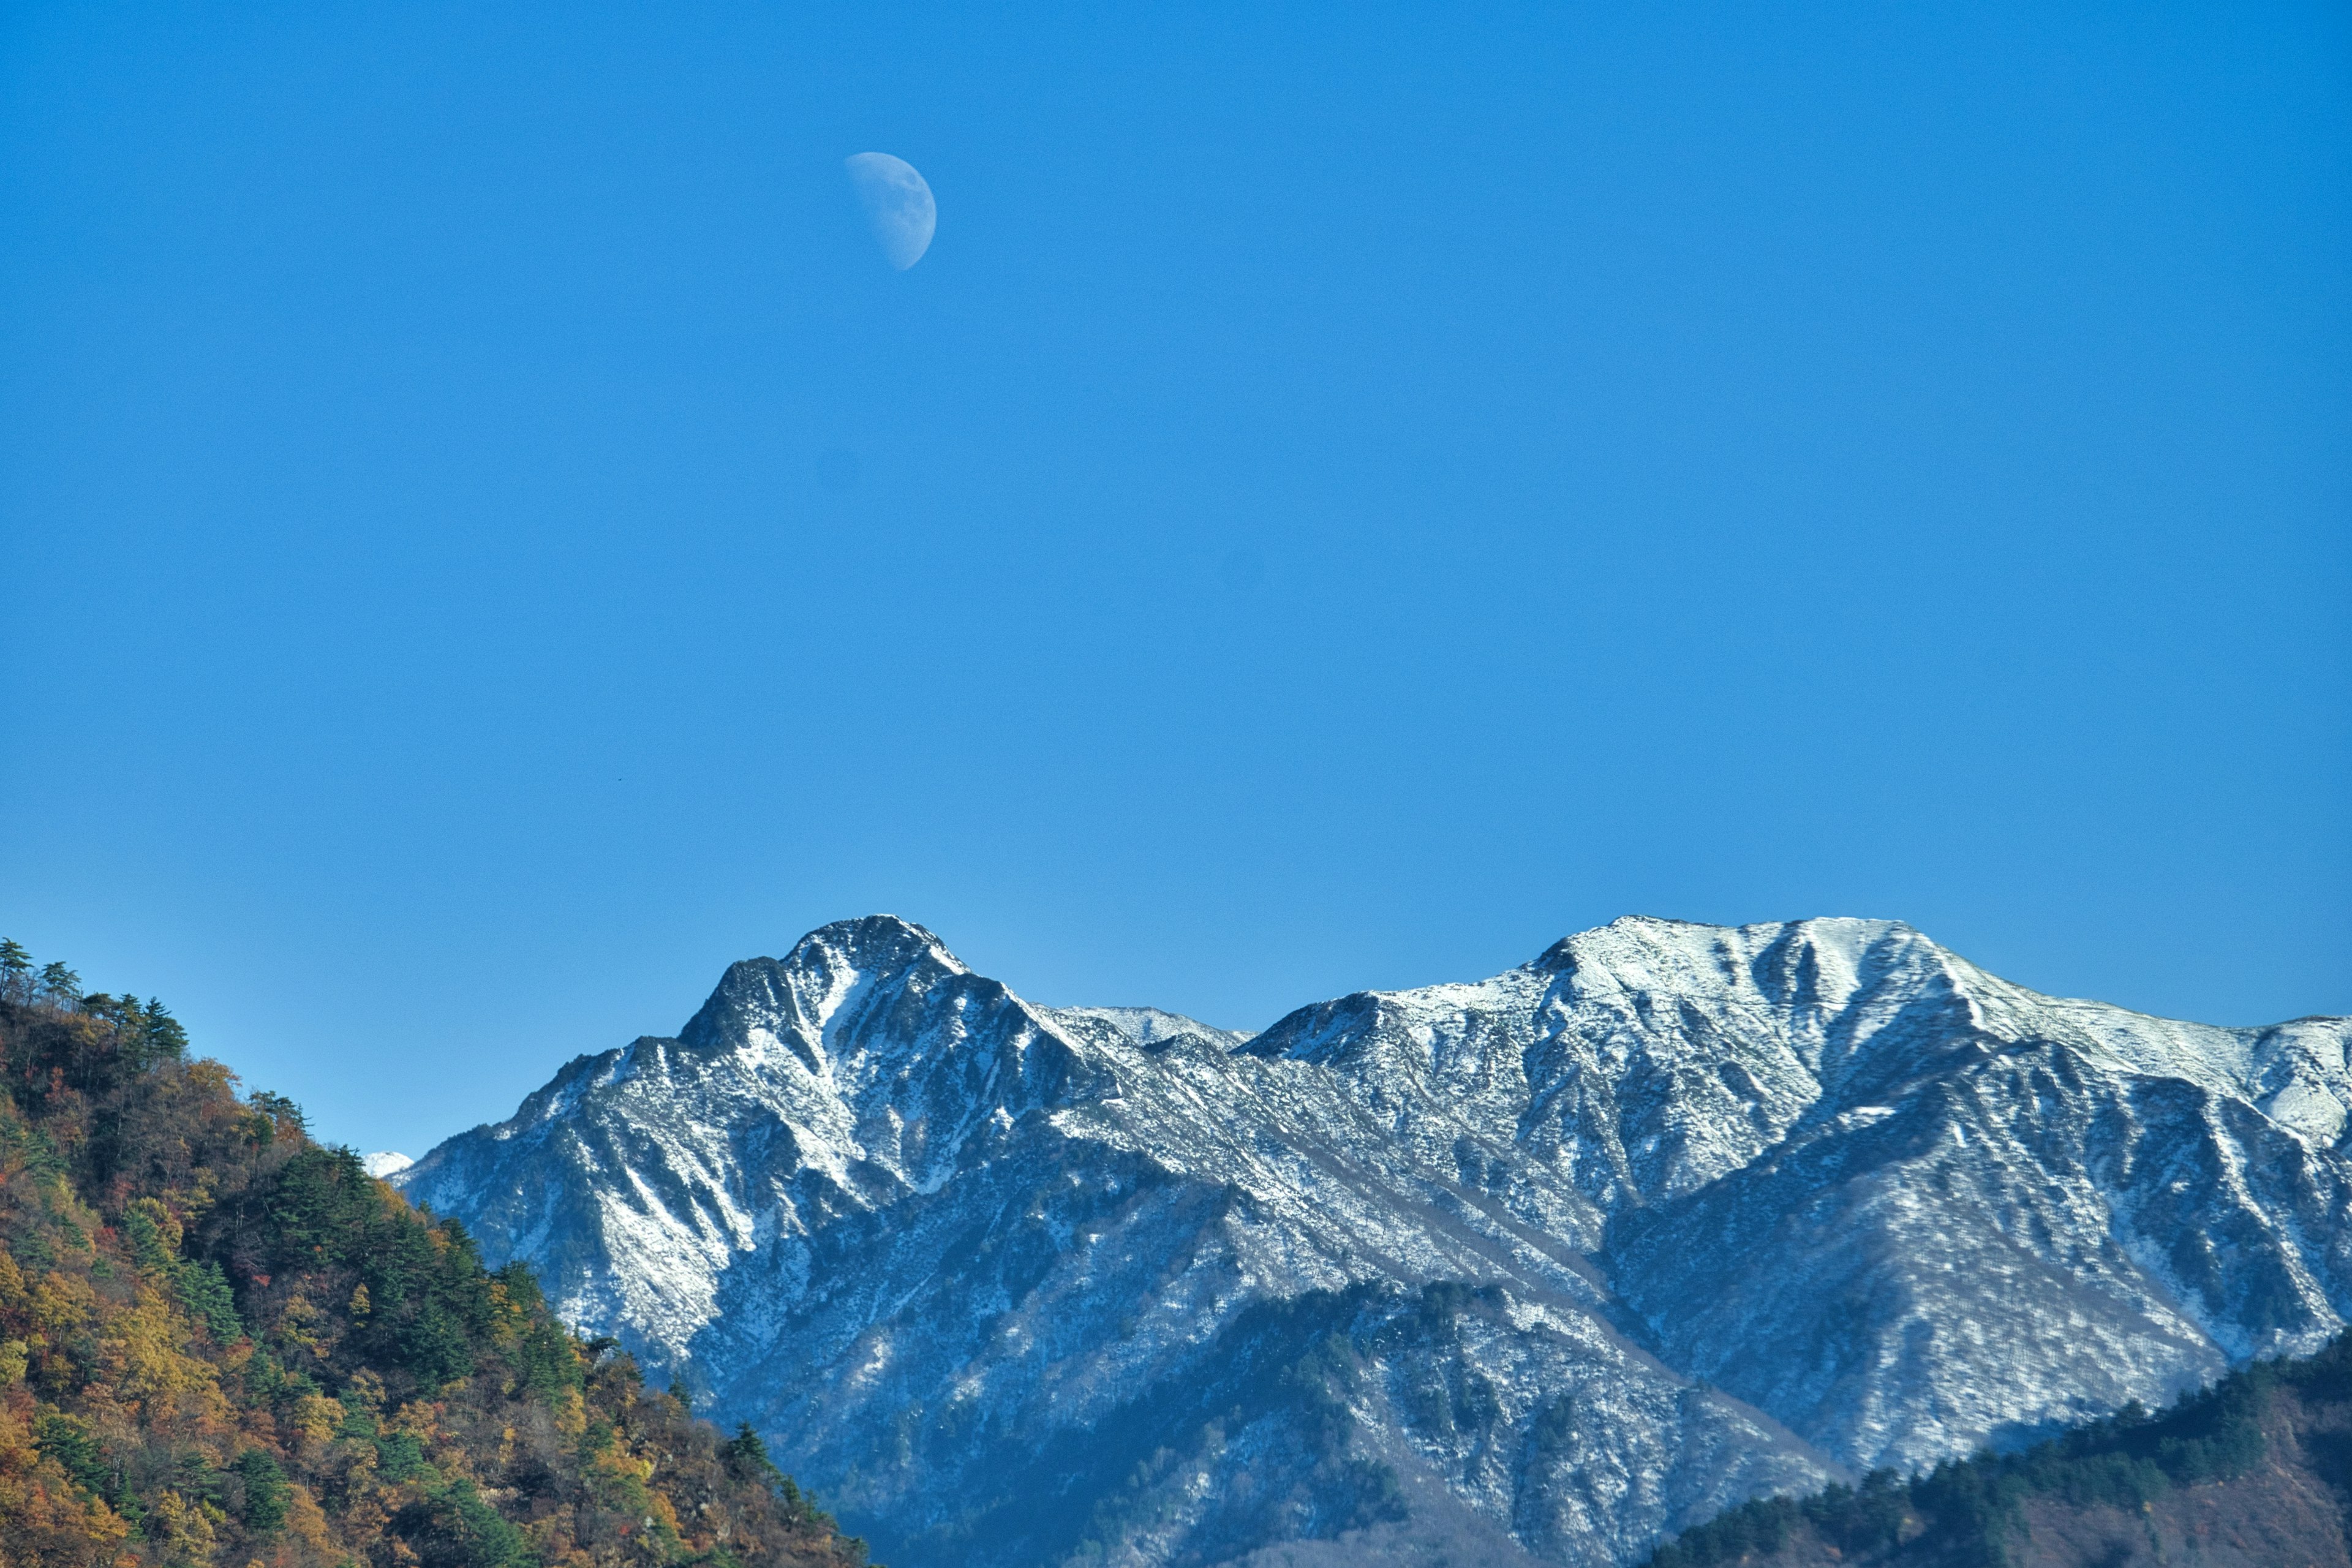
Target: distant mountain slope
[[1141, 1025], [2254, 1472], [1538, 1267]]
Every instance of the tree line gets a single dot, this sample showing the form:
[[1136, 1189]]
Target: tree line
[[147, 1027]]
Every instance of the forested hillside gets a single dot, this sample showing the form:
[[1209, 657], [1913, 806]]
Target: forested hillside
[[2253, 1471], [220, 1342]]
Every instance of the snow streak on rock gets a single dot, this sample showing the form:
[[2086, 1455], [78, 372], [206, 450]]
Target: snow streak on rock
[[1534, 1267]]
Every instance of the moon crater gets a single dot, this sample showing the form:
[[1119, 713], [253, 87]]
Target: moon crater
[[899, 205]]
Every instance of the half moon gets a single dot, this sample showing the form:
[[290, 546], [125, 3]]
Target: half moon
[[899, 205]]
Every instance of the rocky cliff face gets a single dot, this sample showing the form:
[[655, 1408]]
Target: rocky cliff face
[[1538, 1267]]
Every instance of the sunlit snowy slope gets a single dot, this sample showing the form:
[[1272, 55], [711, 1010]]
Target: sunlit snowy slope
[[1539, 1265]]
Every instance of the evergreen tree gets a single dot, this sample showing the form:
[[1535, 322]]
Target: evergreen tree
[[15, 973], [160, 1037], [61, 986]]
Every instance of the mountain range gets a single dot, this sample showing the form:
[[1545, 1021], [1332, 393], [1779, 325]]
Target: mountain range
[[1538, 1267]]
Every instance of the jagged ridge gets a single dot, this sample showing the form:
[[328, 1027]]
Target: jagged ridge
[[1555, 1262]]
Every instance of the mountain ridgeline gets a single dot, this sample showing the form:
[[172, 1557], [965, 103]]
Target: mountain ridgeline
[[222, 1343], [1542, 1268]]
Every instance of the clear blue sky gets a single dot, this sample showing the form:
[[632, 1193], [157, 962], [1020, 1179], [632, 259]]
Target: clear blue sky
[[1351, 496]]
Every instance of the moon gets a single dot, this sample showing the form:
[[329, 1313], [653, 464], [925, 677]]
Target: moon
[[899, 205]]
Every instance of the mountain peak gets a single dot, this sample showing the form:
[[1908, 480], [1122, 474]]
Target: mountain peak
[[821, 971], [1844, 933], [1805, 1197], [877, 943]]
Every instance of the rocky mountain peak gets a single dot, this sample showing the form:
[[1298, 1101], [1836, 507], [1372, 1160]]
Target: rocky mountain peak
[[825, 969], [1524, 1268]]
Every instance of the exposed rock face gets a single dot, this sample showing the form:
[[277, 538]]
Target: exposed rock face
[[1538, 1267]]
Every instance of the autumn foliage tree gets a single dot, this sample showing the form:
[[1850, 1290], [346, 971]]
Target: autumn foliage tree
[[222, 1342]]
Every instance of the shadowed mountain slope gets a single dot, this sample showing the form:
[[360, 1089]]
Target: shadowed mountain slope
[[2254, 1472]]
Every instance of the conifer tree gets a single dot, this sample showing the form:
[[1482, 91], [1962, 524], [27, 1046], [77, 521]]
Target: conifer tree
[[162, 1036], [15, 972], [61, 986]]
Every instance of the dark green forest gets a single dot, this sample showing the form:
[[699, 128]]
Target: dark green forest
[[1971, 1514]]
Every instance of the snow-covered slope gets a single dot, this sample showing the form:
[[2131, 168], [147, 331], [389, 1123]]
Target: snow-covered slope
[[1140, 1025], [1536, 1267]]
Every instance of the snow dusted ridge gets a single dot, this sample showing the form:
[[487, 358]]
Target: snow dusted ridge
[[1535, 1267], [386, 1164], [1141, 1025]]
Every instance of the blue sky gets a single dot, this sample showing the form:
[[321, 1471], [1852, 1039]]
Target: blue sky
[[1352, 495]]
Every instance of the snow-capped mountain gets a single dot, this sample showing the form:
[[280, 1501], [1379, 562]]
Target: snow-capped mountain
[[1534, 1267]]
